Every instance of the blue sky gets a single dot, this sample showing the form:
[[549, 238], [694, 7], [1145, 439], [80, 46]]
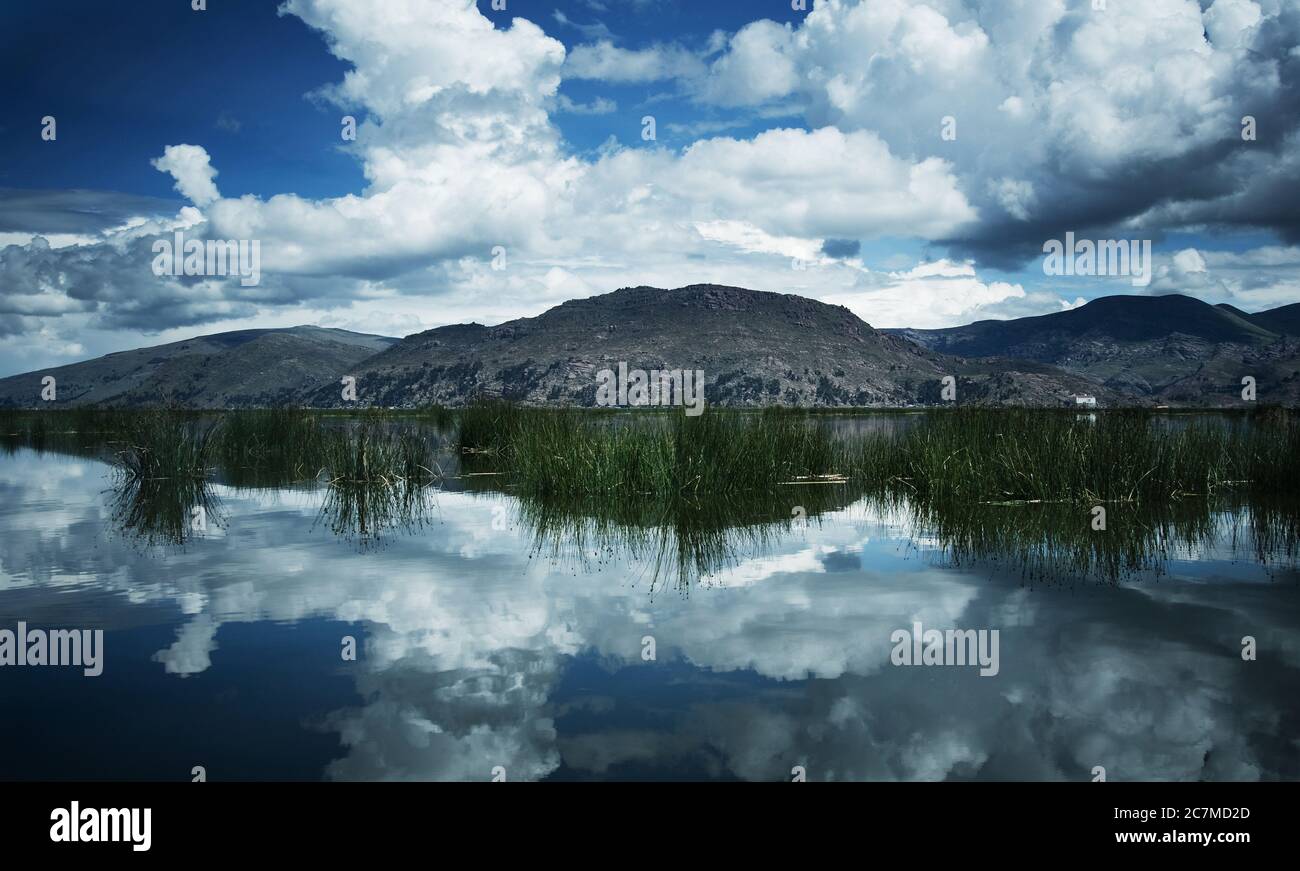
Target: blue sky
[[233, 78], [795, 151], [243, 76]]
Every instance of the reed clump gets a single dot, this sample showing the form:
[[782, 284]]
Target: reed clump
[[272, 447], [163, 444], [570, 453], [374, 454], [379, 479]]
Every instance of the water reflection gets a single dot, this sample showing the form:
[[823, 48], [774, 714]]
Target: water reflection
[[501, 633], [367, 513], [682, 542], [156, 511]]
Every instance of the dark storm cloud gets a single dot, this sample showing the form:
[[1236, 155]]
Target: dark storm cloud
[[115, 285], [1229, 183], [1054, 117], [74, 211], [841, 248]]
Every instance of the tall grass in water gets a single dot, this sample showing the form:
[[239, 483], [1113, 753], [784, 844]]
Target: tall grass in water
[[570, 453], [364, 512], [164, 464], [85, 432], [487, 426], [982, 455], [1054, 541], [442, 417], [988, 484], [379, 479], [271, 447], [164, 444], [971, 455], [17, 430], [691, 493], [373, 454], [964, 455], [680, 494]]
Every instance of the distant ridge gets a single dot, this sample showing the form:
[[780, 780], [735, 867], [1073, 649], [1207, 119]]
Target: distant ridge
[[223, 370], [1284, 320], [1171, 349]]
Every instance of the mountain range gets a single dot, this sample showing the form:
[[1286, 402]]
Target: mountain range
[[754, 347], [1170, 349]]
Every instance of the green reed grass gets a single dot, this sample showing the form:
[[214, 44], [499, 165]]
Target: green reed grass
[[570, 453], [977, 455], [272, 447], [373, 454], [379, 479], [692, 493], [163, 444], [969, 455]]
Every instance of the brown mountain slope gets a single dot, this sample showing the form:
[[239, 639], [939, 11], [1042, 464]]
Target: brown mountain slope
[[754, 347]]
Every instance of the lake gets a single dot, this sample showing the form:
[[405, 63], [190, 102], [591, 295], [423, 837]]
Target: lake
[[494, 640]]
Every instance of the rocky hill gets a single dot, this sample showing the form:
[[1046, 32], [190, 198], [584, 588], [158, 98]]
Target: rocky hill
[[754, 347], [225, 370]]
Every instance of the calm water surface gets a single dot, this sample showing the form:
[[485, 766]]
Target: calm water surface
[[478, 651]]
